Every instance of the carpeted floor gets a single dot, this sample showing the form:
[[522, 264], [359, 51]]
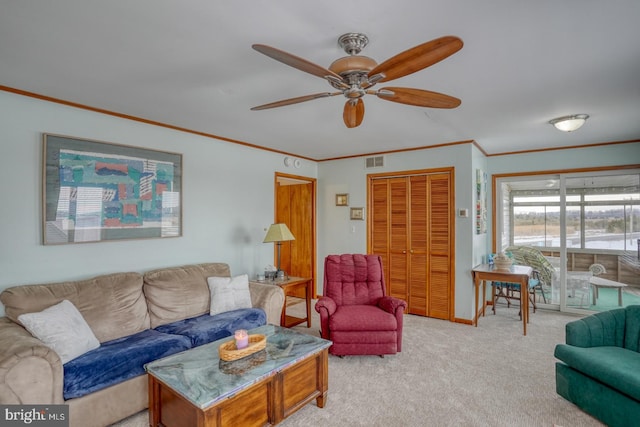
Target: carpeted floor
[[447, 374]]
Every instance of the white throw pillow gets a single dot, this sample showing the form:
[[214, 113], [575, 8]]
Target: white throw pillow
[[229, 293], [62, 328]]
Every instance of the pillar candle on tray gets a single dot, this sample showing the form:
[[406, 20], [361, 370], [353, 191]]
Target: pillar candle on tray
[[242, 339]]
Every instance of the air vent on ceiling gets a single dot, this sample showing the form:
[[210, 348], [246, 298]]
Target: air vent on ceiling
[[374, 162]]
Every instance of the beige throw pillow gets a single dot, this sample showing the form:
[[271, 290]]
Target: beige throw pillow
[[62, 328], [229, 293]]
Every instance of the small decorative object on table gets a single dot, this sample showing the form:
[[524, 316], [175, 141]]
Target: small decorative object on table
[[242, 338], [229, 352], [502, 261]]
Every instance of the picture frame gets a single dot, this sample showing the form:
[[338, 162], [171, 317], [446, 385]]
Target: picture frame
[[357, 214], [95, 191], [481, 202], [342, 199]]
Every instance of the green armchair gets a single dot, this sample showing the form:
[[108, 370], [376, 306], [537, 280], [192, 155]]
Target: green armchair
[[598, 367]]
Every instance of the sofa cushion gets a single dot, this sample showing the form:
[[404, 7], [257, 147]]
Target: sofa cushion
[[204, 329], [113, 305], [62, 328], [179, 293], [118, 360], [362, 318], [229, 293], [614, 366]]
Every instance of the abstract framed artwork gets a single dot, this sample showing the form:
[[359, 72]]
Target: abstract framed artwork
[[97, 191]]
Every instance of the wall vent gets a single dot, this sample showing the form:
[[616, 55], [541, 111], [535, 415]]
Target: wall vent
[[374, 162]]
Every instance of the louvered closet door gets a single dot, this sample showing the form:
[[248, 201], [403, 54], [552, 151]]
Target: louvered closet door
[[411, 230], [398, 237], [379, 215], [440, 237], [418, 247]]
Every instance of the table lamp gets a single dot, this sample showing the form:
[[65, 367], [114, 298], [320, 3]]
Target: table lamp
[[278, 233]]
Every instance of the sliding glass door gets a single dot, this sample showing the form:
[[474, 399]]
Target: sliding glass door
[[587, 225]]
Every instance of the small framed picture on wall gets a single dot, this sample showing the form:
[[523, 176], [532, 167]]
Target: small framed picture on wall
[[357, 214], [342, 199]]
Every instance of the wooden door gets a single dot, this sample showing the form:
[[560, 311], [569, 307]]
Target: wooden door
[[379, 229], [418, 246], [295, 208], [440, 252], [389, 232], [410, 227], [398, 238]]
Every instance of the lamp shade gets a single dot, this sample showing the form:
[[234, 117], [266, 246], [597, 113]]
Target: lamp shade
[[278, 233], [569, 123]]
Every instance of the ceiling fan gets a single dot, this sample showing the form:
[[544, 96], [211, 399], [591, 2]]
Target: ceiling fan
[[354, 75]]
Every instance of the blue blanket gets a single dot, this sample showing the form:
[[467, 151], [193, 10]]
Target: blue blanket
[[205, 329], [124, 358], [118, 360]]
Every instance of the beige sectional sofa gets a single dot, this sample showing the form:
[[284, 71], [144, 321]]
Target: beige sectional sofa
[[114, 306]]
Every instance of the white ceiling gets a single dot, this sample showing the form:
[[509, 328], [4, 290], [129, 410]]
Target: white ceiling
[[190, 64]]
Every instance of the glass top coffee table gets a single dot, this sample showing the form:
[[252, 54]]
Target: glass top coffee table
[[196, 388]]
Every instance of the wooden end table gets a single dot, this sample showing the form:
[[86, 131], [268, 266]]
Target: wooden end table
[[515, 274], [289, 285]]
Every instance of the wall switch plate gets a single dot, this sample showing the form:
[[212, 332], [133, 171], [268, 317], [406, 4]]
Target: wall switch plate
[[463, 213]]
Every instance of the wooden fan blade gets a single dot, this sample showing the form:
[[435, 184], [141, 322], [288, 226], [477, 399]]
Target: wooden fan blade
[[417, 58], [418, 97], [295, 100], [295, 61], [353, 113]]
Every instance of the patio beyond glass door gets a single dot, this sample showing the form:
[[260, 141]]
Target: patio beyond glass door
[[588, 227]]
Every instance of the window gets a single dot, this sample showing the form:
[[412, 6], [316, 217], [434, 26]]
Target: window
[[601, 212]]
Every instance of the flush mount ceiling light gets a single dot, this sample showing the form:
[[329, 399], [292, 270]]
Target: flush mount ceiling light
[[569, 123]]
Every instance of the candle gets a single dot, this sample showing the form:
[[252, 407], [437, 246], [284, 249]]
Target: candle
[[242, 339]]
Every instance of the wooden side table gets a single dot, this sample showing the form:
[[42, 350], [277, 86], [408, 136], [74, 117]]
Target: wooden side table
[[289, 285], [515, 274]]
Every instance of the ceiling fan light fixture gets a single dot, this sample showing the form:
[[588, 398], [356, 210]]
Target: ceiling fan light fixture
[[350, 64], [569, 123]]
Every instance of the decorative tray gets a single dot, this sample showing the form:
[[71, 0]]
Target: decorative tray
[[229, 352]]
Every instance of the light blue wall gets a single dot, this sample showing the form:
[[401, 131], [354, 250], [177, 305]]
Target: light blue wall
[[338, 234], [227, 198], [560, 160], [481, 242], [604, 156]]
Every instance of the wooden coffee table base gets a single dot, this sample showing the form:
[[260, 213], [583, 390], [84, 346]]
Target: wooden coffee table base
[[266, 402]]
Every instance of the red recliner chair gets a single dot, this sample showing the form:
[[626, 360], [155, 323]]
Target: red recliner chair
[[354, 312]]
